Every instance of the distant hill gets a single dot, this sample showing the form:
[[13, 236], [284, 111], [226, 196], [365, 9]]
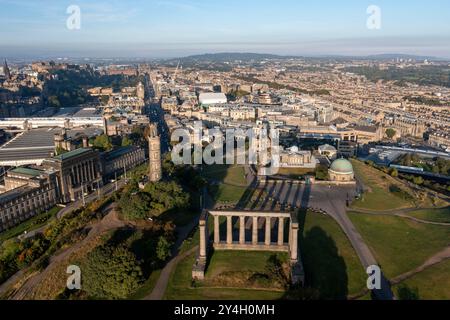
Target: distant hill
[[231, 56], [390, 56], [248, 56]]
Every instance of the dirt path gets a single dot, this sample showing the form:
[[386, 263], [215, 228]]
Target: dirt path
[[110, 222], [161, 285], [434, 260], [401, 213]]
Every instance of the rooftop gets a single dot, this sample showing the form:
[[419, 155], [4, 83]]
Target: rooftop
[[342, 166], [119, 152], [27, 171], [72, 154]]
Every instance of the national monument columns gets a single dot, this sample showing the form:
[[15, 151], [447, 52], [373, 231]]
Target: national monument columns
[[256, 243]]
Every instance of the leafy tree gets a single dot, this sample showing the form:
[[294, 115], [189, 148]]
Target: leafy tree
[[321, 173], [394, 173], [60, 151], [53, 102], [163, 249], [111, 273], [418, 180], [126, 142], [103, 143], [135, 206], [390, 133], [169, 194]]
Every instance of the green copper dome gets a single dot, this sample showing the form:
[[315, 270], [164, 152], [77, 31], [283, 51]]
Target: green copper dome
[[342, 166]]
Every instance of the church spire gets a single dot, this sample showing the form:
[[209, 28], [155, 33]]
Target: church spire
[[6, 71]]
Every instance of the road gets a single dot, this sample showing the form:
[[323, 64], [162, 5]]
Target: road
[[104, 191], [333, 201]]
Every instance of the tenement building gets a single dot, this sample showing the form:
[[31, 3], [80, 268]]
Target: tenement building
[[28, 192]]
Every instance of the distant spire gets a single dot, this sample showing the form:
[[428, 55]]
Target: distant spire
[[6, 71]]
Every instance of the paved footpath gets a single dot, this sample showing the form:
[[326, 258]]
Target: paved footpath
[[161, 285]]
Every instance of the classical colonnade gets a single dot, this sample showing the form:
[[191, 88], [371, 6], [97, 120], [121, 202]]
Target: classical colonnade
[[242, 243], [83, 172]]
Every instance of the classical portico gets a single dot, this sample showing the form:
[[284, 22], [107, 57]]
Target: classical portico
[[269, 231], [78, 171]]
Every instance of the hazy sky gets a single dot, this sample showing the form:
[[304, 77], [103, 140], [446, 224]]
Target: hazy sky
[[159, 28]]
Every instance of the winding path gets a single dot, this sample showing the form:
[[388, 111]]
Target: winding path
[[434, 260], [109, 222], [402, 213]]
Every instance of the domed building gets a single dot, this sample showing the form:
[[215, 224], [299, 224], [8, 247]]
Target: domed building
[[341, 170]]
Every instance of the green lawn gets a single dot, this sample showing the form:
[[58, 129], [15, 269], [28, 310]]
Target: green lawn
[[432, 284], [379, 197], [228, 194], [234, 175], [399, 244], [224, 261], [147, 287], [331, 264], [180, 288], [32, 224], [230, 183], [296, 172], [435, 215]]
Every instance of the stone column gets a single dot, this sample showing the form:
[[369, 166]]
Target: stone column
[[229, 230], [74, 178], [255, 231], [241, 230], [77, 174], [216, 229], [80, 173], [294, 242], [202, 239], [91, 170], [280, 231], [86, 177], [268, 231]]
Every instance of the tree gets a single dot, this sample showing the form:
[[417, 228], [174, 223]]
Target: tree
[[135, 206], [103, 143], [394, 173], [126, 142], [111, 273], [418, 180], [166, 196], [322, 172], [391, 133], [163, 249]]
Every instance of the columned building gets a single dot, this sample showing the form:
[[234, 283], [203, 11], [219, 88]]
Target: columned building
[[284, 239], [78, 172], [122, 160]]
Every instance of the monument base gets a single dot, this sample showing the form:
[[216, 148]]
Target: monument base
[[198, 269]]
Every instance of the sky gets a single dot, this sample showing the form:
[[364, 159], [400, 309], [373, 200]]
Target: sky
[[171, 28]]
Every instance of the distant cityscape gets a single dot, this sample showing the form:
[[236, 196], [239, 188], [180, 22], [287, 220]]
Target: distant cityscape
[[86, 152]]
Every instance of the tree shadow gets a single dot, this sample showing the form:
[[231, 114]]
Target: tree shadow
[[325, 269]]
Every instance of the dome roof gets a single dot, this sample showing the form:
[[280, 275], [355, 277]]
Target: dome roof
[[342, 166]]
